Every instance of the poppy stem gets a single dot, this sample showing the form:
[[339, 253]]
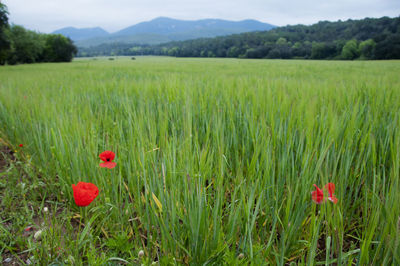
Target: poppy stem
[[79, 229], [84, 214], [112, 182]]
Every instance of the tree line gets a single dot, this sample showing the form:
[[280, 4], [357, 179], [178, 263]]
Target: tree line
[[347, 40], [19, 45]]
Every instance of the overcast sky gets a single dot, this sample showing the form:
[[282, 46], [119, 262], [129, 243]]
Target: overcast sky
[[112, 15]]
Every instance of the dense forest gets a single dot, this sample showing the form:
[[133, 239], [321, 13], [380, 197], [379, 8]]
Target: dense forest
[[19, 45], [348, 40]]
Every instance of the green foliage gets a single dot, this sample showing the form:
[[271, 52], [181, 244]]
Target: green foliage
[[216, 159], [281, 41], [31, 47], [3, 16], [233, 52], [58, 48], [323, 50], [4, 40], [318, 50], [120, 244], [350, 50], [26, 46], [367, 49], [388, 47]]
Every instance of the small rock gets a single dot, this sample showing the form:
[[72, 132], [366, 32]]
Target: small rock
[[7, 260]]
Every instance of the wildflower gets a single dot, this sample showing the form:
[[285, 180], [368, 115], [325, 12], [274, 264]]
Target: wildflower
[[331, 189], [21, 145], [317, 195], [107, 157], [45, 209], [84, 193]]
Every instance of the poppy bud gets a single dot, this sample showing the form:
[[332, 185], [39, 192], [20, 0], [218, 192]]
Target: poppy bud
[[141, 254]]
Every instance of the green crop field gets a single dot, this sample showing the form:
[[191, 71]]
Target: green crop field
[[216, 161]]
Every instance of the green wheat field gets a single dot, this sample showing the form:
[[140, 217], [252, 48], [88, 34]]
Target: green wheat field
[[216, 161]]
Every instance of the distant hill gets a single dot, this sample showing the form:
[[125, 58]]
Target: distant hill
[[369, 38], [162, 29], [169, 26], [81, 34]]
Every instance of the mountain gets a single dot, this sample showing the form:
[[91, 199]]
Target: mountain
[[162, 29], [369, 38], [167, 26], [81, 34]]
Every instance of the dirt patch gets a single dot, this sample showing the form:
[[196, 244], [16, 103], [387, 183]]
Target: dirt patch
[[6, 154], [9, 258], [3, 161]]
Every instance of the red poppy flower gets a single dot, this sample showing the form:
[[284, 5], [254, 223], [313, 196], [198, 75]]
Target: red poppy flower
[[331, 189], [317, 195], [21, 145], [107, 157], [84, 193]]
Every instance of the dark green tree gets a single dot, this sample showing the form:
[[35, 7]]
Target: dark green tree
[[26, 46], [388, 48], [233, 52], [298, 50], [59, 48], [4, 39], [3, 15], [367, 49], [318, 50], [350, 50]]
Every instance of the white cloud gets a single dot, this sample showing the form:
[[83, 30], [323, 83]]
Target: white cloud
[[49, 15]]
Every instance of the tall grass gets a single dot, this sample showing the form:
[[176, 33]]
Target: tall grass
[[217, 157]]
